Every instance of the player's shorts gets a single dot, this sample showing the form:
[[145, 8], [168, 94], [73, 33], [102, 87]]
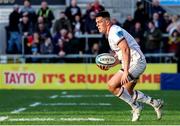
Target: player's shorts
[[136, 69]]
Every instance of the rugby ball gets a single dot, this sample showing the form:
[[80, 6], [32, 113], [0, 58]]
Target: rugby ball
[[105, 59]]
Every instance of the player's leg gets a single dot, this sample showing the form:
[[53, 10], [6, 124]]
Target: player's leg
[[115, 87], [139, 96], [157, 104]]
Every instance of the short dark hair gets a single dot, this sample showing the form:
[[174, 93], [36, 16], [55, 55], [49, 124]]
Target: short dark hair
[[104, 14]]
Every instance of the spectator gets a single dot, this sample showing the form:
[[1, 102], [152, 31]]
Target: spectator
[[35, 48], [77, 26], [74, 44], [173, 25], [90, 25], [43, 31], [62, 43], [157, 21], [47, 46], [62, 34], [86, 16], [26, 31], [138, 33], [97, 7], [128, 24], [46, 13], [30, 11], [139, 13], [40, 20], [60, 48], [156, 8], [15, 37], [73, 10], [62, 23], [153, 36], [95, 49], [115, 22], [165, 23], [174, 41]]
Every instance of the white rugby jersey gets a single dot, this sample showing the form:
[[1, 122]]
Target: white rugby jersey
[[115, 35]]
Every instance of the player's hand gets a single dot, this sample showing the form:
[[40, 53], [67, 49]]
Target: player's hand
[[104, 67], [124, 78]]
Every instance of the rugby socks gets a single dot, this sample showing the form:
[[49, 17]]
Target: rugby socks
[[125, 96], [141, 97]]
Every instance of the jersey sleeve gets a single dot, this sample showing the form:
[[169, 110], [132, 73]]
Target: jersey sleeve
[[117, 35]]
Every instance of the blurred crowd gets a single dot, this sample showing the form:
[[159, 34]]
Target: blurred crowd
[[154, 29], [40, 32]]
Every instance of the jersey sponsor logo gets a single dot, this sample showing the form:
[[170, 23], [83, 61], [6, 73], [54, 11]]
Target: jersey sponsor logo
[[119, 34]]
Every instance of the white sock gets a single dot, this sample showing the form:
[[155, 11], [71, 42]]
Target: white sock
[[125, 96], [141, 97]]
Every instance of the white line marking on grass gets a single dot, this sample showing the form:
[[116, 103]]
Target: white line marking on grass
[[32, 119], [94, 104], [71, 96], [53, 119], [109, 95], [76, 104], [18, 110], [35, 104], [53, 96], [81, 96], [60, 104], [81, 119], [2, 118]]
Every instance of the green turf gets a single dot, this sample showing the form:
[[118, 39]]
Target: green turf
[[117, 113]]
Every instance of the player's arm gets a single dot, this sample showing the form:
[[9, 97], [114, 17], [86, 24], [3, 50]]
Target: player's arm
[[125, 53], [125, 58]]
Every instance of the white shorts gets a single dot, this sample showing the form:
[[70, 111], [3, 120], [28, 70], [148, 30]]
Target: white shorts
[[136, 69]]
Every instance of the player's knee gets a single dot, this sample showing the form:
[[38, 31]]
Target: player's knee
[[112, 88]]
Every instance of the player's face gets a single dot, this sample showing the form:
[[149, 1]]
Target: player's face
[[101, 24]]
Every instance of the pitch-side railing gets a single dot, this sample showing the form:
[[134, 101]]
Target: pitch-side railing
[[87, 58]]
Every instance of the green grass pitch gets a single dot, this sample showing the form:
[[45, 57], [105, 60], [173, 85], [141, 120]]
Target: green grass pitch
[[80, 107]]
